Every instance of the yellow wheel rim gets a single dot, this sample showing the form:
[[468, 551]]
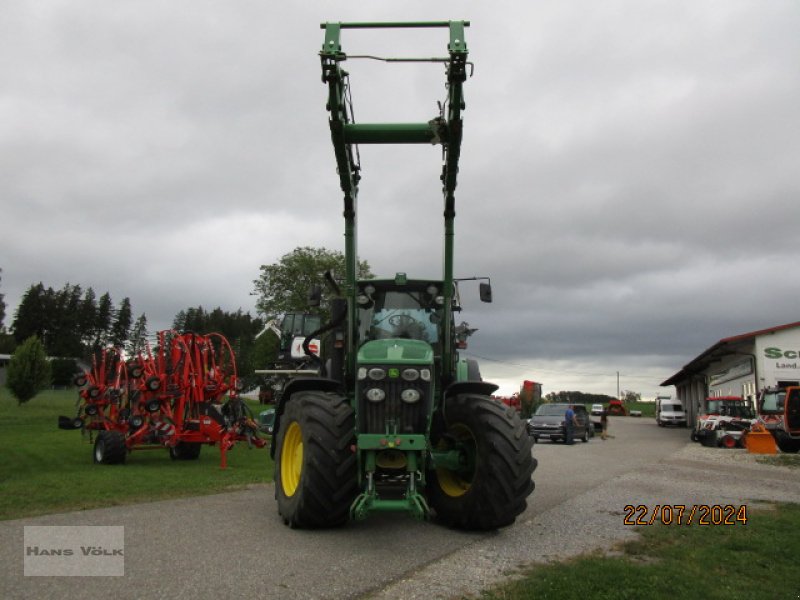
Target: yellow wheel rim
[[452, 483], [291, 459]]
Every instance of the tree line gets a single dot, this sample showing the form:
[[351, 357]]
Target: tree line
[[73, 323]]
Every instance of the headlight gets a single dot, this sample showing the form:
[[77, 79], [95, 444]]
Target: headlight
[[410, 396], [377, 374], [425, 374], [375, 395], [410, 374], [362, 373]]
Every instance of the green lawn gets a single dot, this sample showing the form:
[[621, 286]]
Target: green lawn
[[648, 409], [756, 560], [46, 470]]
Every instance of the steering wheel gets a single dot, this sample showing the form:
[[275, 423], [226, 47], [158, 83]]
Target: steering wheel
[[402, 320]]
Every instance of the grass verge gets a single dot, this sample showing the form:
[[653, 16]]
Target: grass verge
[[781, 460], [47, 470], [756, 560]]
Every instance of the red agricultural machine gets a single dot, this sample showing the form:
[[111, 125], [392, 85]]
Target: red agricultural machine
[[181, 396], [617, 408]]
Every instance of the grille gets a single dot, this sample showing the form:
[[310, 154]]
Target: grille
[[409, 418]]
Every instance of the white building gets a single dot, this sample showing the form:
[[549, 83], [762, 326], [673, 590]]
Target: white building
[[740, 365]]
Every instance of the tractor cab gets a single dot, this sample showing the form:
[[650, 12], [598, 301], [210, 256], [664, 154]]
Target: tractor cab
[[779, 413], [294, 329], [411, 310]]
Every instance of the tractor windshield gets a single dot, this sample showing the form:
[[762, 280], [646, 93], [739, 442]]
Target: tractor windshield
[[772, 401], [399, 313]]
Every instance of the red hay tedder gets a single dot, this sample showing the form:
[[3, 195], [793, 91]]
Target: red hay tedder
[[181, 396]]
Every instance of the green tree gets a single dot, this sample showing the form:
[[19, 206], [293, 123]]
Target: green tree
[[87, 315], [284, 286], [121, 328], [102, 322], [7, 343], [138, 337], [31, 315], [2, 307], [64, 337], [630, 396], [28, 370]]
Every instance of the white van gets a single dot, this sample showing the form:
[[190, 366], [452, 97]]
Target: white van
[[669, 412]]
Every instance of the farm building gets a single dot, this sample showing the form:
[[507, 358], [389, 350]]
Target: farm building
[[740, 365]]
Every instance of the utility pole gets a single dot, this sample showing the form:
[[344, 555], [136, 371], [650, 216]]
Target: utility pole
[[618, 384]]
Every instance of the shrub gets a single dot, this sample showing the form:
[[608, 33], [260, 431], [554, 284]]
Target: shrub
[[28, 370]]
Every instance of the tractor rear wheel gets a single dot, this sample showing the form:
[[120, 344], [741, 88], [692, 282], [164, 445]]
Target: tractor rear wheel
[[185, 451], [786, 443], [109, 448], [315, 466], [491, 488]]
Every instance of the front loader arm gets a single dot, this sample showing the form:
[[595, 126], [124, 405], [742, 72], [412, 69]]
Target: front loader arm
[[444, 129]]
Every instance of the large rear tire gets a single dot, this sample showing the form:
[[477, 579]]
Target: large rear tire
[[315, 466], [786, 443], [492, 488]]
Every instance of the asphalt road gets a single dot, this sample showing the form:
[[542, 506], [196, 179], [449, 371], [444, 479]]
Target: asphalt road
[[234, 544]]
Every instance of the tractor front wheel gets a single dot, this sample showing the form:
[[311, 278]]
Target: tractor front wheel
[[315, 466], [490, 489], [109, 448]]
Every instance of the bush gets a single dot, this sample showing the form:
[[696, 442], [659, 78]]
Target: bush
[[28, 370]]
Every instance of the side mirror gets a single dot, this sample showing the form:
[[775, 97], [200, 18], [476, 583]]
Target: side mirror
[[314, 296], [485, 291]]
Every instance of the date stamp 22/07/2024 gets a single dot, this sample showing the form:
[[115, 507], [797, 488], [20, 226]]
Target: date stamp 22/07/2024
[[685, 514]]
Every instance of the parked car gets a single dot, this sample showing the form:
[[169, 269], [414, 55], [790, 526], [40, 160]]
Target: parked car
[[670, 412], [548, 423], [596, 414]]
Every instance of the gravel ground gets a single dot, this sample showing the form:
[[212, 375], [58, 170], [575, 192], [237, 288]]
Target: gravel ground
[[593, 521]]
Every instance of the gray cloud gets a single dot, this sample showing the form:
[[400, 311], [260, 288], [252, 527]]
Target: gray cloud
[[628, 178]]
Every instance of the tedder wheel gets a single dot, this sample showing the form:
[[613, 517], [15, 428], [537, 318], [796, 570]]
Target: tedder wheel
[[185, 451], [491, 488], [315, 467], [109, 448]]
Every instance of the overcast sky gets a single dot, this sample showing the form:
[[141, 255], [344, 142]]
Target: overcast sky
[[630, 173]]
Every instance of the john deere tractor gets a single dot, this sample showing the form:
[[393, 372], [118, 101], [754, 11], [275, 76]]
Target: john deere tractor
[[394, 419]]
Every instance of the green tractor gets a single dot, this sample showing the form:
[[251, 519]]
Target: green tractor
[[394, 419]]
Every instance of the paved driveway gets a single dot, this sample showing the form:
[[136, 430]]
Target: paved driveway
[[234, 545]]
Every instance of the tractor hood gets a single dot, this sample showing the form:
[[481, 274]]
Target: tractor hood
[[396, 351]]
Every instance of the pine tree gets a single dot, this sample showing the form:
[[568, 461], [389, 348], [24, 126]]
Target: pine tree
[[2, 308], [102, 323], [30, 317], [138, 337], [121, 328], [87, 316]]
